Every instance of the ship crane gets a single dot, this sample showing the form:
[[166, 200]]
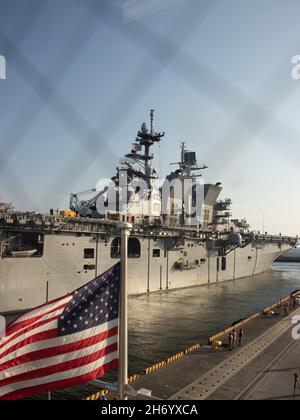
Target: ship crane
[[85, 208]]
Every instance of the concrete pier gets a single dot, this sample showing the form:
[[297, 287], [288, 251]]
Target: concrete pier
[[263, 368]]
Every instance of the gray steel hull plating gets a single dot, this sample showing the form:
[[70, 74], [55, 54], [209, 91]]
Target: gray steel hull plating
[[28, 282]]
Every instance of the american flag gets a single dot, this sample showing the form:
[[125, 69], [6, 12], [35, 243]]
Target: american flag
[[63, 343]]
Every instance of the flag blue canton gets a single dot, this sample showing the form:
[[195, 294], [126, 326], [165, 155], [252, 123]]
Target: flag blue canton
[[93, 304]]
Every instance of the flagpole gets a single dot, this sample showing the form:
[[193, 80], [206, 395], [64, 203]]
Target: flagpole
[[123, 312], [47, 300]]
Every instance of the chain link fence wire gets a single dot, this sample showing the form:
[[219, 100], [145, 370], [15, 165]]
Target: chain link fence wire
[[91, 140], [250, 120]]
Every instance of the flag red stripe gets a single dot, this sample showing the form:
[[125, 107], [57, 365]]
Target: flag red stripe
[[52, 386], [61, 367], [14, 328], [17, 320], [44, 335], [56, 351], [30, 328]]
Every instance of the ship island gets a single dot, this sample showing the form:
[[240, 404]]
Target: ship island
[[45, 256]]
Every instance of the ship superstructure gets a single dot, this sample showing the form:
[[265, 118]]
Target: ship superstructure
[[44, 256]]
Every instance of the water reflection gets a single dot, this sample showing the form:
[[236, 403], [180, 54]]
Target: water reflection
[[162, 324]]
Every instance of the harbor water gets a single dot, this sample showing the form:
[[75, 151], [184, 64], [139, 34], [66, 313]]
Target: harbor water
[[162, 324]]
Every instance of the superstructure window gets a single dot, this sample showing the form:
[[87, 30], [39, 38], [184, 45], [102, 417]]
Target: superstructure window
[[224, 263], [156, 253], [89, 253], [89, 267], [134, 248]]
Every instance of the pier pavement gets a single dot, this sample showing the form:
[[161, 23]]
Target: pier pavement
[[263, 368]]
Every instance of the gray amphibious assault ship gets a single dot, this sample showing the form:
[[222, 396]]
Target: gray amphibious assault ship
[[44, 256]]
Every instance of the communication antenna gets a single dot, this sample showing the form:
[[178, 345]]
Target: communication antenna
[[152, 120]]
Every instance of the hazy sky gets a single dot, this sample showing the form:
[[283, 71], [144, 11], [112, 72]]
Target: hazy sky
[[82, 76]]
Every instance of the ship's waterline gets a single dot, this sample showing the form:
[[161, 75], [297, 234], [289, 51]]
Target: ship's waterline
[[155, 263]]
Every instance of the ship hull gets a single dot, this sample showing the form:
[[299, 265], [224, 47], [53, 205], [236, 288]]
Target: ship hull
[[65, 266]]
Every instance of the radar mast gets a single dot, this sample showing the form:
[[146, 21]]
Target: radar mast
[[188, 164], [145, 139]]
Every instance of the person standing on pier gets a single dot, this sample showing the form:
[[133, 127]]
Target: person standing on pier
[[234, 339], [241, 336], [286, 309], [230, 340], [296, 384]]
